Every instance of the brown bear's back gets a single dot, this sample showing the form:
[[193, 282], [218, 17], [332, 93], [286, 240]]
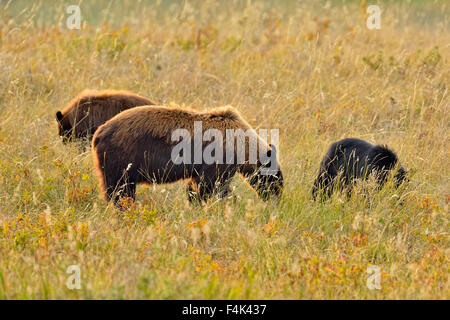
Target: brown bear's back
[[161, 121], [90, 109]]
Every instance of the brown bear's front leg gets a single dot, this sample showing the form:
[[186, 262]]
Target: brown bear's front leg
[[193, 193], [200, 190]]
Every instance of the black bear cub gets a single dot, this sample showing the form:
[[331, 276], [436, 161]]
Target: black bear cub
[[352, 159]]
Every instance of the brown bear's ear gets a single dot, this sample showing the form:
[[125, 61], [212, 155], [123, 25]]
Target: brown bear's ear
[[272, 150], [59, 116], [269, 154]]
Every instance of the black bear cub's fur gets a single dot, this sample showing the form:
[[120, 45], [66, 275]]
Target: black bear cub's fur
[[351, 159]]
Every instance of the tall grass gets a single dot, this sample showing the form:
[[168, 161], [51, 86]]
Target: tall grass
[[312, 70]]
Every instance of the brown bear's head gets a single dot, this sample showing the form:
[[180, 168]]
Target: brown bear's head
[[64, 126], [268, 180]]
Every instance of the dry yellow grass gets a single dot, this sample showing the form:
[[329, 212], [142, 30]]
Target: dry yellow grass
[[314, 71]]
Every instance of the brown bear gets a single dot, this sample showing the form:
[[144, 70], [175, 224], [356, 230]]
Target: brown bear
[[143, 145], [90, 109]]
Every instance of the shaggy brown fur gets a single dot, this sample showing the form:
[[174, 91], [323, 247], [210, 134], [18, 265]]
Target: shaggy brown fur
[[90, 109], [135, 147]]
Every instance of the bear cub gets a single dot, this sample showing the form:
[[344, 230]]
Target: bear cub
[[350, 159]]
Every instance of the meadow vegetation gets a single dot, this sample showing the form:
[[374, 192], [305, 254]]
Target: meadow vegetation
[[310, 69]]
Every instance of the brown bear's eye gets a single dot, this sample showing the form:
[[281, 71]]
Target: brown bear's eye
[[65, 132]]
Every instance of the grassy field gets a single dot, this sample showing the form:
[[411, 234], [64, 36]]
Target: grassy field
[[312, 70]]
